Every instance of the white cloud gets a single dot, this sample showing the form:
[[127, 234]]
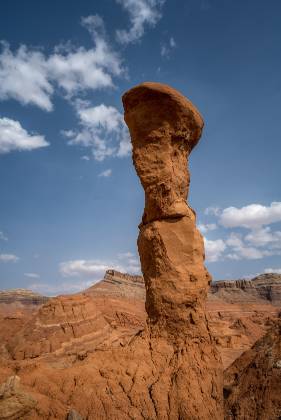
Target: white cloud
[[130, 261], [212, 211], [252, 216], [102, 130], [3, 237], [6, 258], [97, 268], [32, 275], [24, 77], [264, 237], [214, 249], [259, 243], [204, 228], [85, 157], [240, 250], [141, 14], [166, 48], [88, 273], [30, 76], [235, 248], [92, 268], [14, 137], [273, 270], [105, 174]]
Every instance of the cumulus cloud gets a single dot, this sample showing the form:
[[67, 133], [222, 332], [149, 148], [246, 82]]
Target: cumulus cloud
[[95, 269], [32, 275], [235, 247], [264, 237], [142, 13], [6, 258], [14, 137], [240, 250], [204, 228], [214, 249], [24, 77], [252, 216], [102, 130], [30, 76], [273, 270], [106, 173], [260, 241], [167, 47], [92, 268], [3, 237]]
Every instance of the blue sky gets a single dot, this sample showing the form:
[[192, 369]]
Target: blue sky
[[70, 198]]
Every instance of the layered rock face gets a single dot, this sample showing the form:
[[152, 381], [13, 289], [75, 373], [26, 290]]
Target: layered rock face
[[23, 296], [164, 128], [105, 315], [264, 286]]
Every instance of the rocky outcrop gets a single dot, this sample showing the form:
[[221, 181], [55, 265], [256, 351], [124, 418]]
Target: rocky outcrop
[[14, 402], [105, 315], [252, 382], [265, 287]]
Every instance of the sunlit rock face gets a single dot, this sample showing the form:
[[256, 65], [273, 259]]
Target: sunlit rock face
[[164, 128]]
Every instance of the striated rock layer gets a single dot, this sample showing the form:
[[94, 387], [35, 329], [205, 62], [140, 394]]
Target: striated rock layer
[[265, 286]]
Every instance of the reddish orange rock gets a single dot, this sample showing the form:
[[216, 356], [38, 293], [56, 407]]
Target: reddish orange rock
[[164, 128]]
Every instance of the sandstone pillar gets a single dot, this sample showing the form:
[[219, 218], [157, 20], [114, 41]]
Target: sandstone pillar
[[164, 128]]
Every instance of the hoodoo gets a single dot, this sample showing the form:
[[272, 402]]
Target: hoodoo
[[164, 128]]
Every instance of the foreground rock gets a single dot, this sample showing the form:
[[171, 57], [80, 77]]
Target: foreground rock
[[14, 403], [112, 311], [252, 382]]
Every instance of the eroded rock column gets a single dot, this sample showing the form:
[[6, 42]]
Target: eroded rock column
[[164, 128]]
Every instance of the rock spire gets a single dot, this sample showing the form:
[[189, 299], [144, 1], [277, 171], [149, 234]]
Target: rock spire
[[164, 127]]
